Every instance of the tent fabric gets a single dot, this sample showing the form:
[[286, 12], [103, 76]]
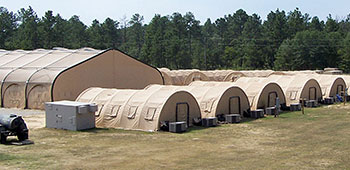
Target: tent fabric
[[182, 77], [258, 90], [301, 86], [215, 101], [141, 109], [30, 78], [331, 85], [223, 75]]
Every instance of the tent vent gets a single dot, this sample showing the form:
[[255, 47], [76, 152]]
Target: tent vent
[[150, 113], [114, 111], [132, 112], [99, 107]]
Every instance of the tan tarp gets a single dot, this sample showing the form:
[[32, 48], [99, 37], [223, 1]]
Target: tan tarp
[[182, 77], [30, 78], [257, 73], [297, 87], [331, 85], [141, 109], [261, 92], [215, 101]]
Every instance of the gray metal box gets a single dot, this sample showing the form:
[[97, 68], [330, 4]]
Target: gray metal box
[[295, 107], [310, 103], [177, 127], [270, 110], [233, 118], [258, 113], [209, 122], [329, 100], [70, 115]]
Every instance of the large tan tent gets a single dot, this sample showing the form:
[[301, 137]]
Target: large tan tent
[[182, 77], [331, 85], [30, 78], [223, 75], [298, 87], [215, 101], [141, 109], [260, 92]]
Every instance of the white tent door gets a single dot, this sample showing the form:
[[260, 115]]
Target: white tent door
[[182, 112], [235, 105], [340, 89], [11, 98], [312, 93], [272, 99]]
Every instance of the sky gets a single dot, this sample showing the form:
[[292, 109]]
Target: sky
[[88, 10]]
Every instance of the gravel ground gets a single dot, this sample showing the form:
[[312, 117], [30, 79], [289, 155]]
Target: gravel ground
[[22, 112]]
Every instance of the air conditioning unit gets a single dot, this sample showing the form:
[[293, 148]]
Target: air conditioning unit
[[270, 110], [310, 103], [70, 115], [328, 100], [256, 114], [209, 122], [233, 118], [295, 107], [177, 127]]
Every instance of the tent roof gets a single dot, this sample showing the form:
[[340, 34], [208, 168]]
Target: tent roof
[[41, 65]]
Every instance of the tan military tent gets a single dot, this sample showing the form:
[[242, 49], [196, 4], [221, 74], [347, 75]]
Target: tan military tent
[[141, 109], [182, 77], [301, 86], [261, 93], [215, 101], [223, 75], [331, 85], [30, 78]]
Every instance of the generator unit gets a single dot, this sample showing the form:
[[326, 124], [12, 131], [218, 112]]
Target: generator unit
[[209, 122], [177, 127], [270, 110], [328, 100], [70, 115], [310, 103], [295, 107], [12, 125], [233, 118], [256, 114]]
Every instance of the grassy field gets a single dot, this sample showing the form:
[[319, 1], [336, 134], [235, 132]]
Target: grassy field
[[320, 139]]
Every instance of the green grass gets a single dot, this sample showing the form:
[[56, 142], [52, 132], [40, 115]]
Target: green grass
[[319, 139]]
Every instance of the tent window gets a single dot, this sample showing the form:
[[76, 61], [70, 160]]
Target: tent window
[[208, 106], [150, 113], [293, 95], [115, 110], [196, 78], [132, 112], [99, 107]]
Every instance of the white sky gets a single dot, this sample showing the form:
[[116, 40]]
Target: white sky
[[88, 10]]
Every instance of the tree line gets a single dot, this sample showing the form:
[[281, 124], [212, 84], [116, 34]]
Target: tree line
[[284, 41]]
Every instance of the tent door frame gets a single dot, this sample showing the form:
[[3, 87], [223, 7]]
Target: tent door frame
[[342, 89], [239, 104], [188, 111], [268, 98], [315, 96]]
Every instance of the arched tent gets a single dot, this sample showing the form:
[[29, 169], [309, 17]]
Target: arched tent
[[257, 73], [30, 78], [331, 85], [347, 81], [215, 101], [260, 92], [298, 87], [182, 77], [168, 80], [223, 75], [145, 109]]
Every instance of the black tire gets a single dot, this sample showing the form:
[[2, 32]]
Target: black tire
[[2, 139], [22, 136]]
